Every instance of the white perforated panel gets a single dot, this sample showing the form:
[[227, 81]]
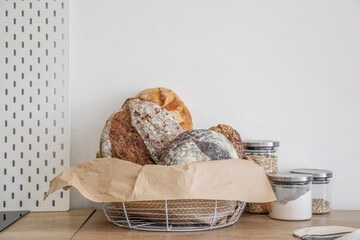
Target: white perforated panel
[[34, 102]]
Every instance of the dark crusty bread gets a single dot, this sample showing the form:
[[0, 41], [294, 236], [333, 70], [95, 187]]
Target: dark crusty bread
[[121, 140], [198, 146], [169, 100], [233, 136], [139, 132]]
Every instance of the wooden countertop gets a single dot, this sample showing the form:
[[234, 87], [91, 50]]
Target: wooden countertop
[[84, 224], [47, 225]]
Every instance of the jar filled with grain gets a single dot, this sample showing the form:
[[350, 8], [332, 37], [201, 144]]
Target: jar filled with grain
[[265, 154], [321, 185]]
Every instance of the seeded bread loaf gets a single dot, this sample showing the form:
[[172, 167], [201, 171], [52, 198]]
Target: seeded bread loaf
[[169, 100], [198, 146], [233, 136], [139, 132]]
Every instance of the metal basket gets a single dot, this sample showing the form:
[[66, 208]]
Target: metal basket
[[174, 215]]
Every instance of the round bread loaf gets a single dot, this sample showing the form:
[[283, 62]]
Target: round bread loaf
[[139, 132], [169, 100], [233, 136], [198, 146]]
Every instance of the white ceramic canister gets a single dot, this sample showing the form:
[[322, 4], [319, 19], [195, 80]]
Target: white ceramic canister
[[293, 193]]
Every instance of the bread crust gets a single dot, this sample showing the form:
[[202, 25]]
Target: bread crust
[[233, 136], [139, 132], [121, 140], [169, 100], [198, 146]]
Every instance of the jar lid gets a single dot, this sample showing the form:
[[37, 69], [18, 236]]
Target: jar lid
[[316, 173], [290, 177], [260, 143]]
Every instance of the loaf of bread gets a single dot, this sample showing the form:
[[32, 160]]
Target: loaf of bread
[[169, 100], [139, 132], [233, 136], [198, 146]]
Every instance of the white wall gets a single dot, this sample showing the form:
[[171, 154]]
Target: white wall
[[286, 70]]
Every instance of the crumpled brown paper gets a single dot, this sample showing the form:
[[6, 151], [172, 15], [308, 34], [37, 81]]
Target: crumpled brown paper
[[114, 180]]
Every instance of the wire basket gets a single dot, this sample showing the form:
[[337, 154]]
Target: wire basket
[[174, 215]]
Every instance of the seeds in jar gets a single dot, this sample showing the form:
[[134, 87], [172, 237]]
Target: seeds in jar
[[258, 208], [268, 162], [320, 206], [270, 165]]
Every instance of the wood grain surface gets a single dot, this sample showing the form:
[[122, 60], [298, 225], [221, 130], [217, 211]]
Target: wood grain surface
[[248, 227], [47, 225], [69, 225]]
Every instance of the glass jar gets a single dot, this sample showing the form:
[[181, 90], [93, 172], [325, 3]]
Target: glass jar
[[263, 153], [293, 193], [321, 189]]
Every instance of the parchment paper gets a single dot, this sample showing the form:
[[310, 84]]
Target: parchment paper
[[114, 180]]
